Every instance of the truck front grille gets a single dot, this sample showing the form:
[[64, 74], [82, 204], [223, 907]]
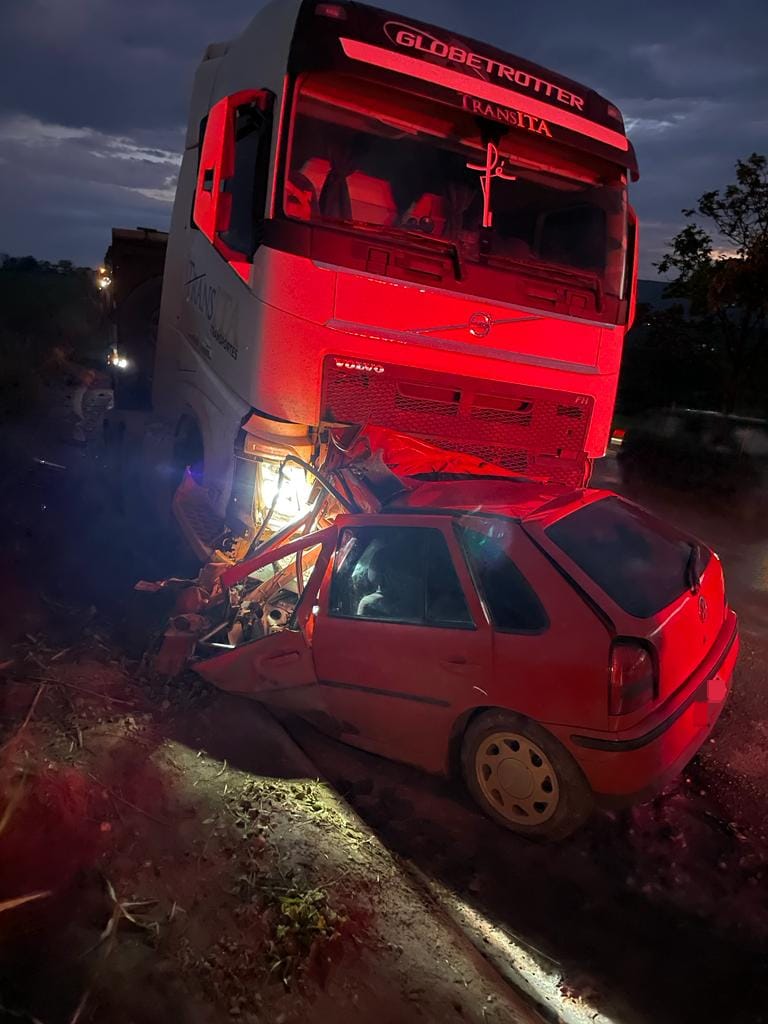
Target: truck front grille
[[528, 430]]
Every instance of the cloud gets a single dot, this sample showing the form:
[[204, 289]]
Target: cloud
[[30, 131], [63, 187], [43, 149], [162, 195]]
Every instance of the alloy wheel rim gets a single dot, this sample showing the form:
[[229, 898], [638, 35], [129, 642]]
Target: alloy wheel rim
[[517, 779]]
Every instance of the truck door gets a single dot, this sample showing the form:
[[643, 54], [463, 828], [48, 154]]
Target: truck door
[[278, 668]]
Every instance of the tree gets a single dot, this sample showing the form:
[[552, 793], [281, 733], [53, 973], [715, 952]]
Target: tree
[[668, 360], [725, 277]]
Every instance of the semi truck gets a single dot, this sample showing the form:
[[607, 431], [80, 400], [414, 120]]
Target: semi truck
[[378, 222]]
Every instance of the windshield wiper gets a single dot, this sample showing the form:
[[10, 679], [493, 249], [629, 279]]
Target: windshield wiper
[[418, 240], [553, 272]]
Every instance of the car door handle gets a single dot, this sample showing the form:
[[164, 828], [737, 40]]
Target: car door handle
[[282, 659], [459, 666]]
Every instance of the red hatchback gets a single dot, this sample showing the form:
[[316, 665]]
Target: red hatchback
[[557, 647]]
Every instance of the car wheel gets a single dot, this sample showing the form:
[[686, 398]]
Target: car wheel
[[523, 778]]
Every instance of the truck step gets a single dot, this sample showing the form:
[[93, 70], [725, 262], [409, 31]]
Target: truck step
[[200, 523]]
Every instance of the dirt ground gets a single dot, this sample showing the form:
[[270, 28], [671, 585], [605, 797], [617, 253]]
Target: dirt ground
[[194, 870], [168, 852]]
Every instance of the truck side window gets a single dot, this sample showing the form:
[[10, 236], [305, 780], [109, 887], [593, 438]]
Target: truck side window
[[232, 176], [396, 574], [511, 602], [248, 184]]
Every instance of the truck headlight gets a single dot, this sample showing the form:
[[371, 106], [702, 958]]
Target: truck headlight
[[288, 490]]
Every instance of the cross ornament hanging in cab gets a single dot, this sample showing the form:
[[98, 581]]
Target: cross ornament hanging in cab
[[495, 166]]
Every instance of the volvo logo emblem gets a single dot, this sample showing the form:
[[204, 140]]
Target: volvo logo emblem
[[703, 609], [480, 325]]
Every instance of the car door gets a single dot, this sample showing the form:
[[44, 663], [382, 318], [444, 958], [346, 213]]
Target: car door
[[401, 644], [277, 668], [550, 649]]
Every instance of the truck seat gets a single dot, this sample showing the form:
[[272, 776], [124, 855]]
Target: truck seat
[[371, 198]]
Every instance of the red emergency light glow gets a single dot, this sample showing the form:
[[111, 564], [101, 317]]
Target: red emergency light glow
[[335, 11], [383, 58]]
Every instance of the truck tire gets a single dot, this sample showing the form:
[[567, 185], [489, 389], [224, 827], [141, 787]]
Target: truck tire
[[188, 451]]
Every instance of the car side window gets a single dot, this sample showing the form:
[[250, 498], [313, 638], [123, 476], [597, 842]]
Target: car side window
[[445, 601], [396, 574], [511, 601]]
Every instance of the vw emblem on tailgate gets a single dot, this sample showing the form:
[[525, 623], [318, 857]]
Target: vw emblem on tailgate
[[480, 325], [703, 609]]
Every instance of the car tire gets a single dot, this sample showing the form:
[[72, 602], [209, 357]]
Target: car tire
[[540, 792]]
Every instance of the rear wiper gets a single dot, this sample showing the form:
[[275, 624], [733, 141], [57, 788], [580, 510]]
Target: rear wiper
[[419, 240], [692, 566]]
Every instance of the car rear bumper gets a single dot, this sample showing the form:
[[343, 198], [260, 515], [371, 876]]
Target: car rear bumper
[[625, 766]]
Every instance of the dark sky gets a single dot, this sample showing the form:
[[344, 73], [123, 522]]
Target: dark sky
[[93, 97]]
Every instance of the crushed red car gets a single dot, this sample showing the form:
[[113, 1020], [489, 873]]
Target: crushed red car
[[557, 647]]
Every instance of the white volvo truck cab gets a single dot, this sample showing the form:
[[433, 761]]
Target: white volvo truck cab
[[378, 222]]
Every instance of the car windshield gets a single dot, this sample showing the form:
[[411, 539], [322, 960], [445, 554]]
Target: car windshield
[[365, 157], [640, 563]]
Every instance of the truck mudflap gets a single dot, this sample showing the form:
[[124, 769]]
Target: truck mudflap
[[202, 526]]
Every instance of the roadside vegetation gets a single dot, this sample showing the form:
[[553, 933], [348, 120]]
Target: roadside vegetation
[[51, 313], [708, 350]]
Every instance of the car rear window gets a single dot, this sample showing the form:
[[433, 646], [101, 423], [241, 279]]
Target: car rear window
[[639, 562]]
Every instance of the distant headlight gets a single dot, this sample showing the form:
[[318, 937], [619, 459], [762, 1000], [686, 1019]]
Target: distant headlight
[[117, 361]]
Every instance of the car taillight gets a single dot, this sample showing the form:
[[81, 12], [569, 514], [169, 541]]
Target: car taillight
[[632, 680]]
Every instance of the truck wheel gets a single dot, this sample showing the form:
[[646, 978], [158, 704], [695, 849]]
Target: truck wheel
[[523, 778], [188, 451]]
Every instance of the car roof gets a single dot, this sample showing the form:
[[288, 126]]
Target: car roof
[[517, 499]]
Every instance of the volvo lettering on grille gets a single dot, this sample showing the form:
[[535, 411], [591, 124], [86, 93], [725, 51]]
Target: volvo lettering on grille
[[351, 364]]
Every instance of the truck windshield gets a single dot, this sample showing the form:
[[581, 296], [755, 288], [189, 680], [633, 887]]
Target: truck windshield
[[360, 155]]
